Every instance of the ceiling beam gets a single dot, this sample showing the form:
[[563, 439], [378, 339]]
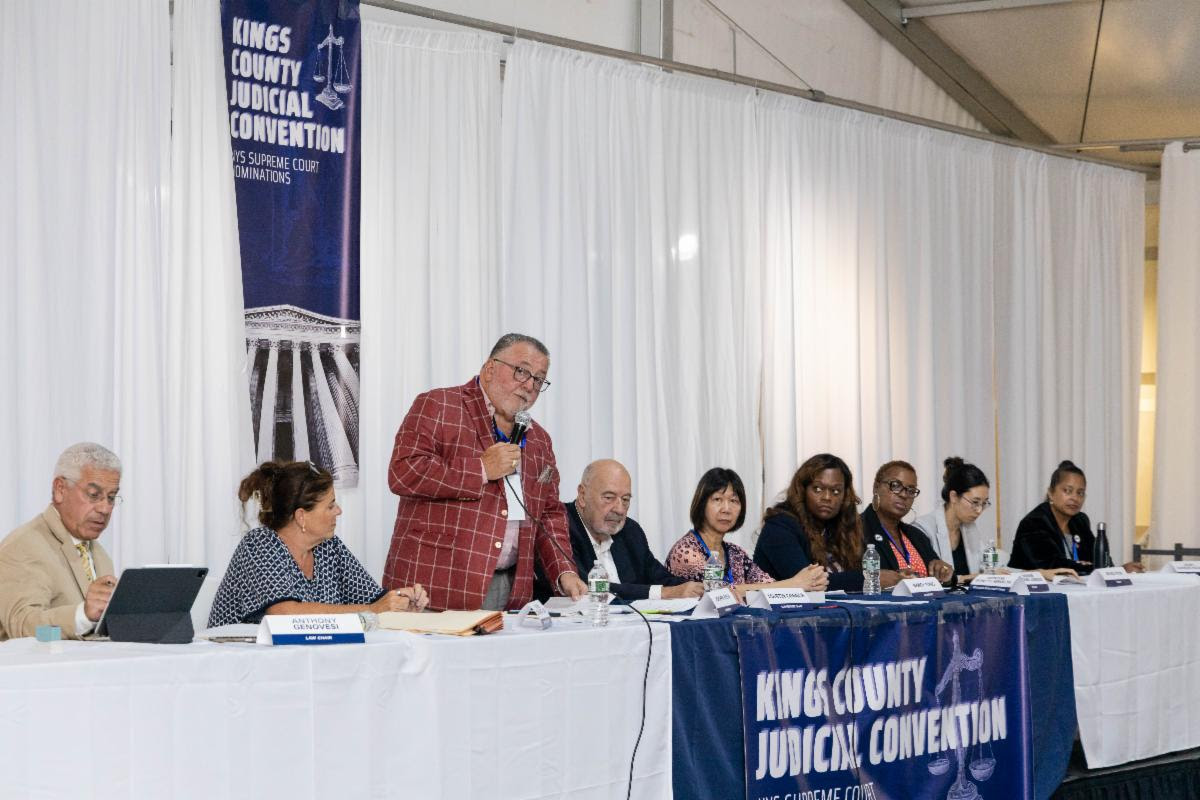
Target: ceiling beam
[[918, 42], [970, 6]]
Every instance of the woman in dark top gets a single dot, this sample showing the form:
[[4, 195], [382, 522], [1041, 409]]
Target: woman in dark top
[[1057, 533], [293, 563], [817, 523], [901, 546]]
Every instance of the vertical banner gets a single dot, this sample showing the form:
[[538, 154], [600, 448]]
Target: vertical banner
[[293, 82], [930, 707]]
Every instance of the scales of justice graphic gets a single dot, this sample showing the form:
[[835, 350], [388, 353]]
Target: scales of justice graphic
[[982, 763], [336, 80]]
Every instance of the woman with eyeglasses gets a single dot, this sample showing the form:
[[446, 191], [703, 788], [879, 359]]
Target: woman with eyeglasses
[[901, 547], [951, 529], [293, 563], [1057, 533], [719, 508], [817, 522]]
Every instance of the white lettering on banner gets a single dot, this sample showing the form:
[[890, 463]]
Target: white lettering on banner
[[263, 81], [789, 694]]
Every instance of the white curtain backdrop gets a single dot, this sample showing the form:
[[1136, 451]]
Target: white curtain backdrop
[[1070, 241], [877, 239], [430, 241], [81, 247], [630, 230], [206, 440], [1177, 428]]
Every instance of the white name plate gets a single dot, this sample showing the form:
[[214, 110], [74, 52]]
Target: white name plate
[[1184, 567], [1012, 582], [1109, 577], [715, 603], [784, 599], [311, 629], [918, 587], [1034, 582]]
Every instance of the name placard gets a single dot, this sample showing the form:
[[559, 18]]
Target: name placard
[[1012, 582], [1034, 582], [1109, 577], [918, 587], [1183, 567], [715, 603], [784, 599], [311, 629], [1006, 582]]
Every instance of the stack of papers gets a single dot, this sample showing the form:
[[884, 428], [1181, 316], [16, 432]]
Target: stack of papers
[[452, 623]]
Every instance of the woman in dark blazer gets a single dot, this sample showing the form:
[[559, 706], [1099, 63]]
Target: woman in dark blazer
[[901, 547], [817, 523], [1057, 533]]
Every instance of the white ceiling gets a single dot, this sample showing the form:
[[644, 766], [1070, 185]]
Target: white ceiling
[[1146, 79]]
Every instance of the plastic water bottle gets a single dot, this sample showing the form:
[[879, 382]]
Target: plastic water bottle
[[598, 595], [870, 565], [991, 560], [714, 576]]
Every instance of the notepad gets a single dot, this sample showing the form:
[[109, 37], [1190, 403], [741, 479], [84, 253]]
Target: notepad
[[451, 623]]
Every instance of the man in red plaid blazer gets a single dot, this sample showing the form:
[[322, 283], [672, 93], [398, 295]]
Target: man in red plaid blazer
[[476, 509]]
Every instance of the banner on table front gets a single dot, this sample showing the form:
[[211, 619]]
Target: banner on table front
[[292, 71], [932, 709]]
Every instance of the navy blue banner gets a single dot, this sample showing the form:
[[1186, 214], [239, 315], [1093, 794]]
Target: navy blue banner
[[915, 707], [293, 84]]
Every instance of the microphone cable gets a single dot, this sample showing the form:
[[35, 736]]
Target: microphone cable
[[520, 498]]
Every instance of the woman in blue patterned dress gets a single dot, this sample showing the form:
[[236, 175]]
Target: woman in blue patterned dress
[[293, 563]]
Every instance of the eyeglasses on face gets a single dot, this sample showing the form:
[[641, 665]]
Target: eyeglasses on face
[[521, 374], [978, 505], [898, 488], [95, 495]]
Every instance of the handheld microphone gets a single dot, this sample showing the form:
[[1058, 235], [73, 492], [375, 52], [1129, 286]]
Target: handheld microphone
[[522, 422]]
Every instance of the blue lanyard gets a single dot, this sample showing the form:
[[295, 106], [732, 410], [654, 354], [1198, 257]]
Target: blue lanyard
[[901, 547], [1074, 548], [500, 437], [708, 554]]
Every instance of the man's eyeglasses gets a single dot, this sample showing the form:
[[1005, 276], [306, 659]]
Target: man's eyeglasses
[[522, 375], [898, 488], [978, 505], [95, 495]]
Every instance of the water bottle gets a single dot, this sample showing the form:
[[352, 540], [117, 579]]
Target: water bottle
[[598, 595], [714, 576], [1101, 556], [870, 564], [991, 560], [370, 621]]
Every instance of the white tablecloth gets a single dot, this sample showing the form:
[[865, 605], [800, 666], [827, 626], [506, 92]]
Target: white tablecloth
[[1136, 656], [518, 714]]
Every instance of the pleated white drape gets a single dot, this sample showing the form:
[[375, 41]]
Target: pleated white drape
[[1177, 384], [877, 243], [722, 278], [430, 234], [81, 247], [207, 442], [630, 231]]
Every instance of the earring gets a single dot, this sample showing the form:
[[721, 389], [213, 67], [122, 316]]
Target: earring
[[875, 499]]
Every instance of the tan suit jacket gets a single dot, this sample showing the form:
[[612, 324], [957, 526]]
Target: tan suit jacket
[[43, 578]]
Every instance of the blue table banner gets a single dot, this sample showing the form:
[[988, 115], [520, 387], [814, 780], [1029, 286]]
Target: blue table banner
[[887, 705]]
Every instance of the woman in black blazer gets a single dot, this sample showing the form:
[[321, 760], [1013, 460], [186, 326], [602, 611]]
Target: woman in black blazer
[[901, 547], [817, 523], [1057, 533]]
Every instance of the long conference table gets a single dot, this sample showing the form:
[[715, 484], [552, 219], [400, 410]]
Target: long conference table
[[527, 713]]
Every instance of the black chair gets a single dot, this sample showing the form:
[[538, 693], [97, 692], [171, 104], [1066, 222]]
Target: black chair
[[1179, 553]]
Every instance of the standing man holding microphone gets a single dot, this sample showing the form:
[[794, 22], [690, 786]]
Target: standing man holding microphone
[[478, 489]]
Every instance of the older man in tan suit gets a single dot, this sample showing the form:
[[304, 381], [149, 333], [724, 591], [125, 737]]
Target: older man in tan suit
[[53, 570]]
